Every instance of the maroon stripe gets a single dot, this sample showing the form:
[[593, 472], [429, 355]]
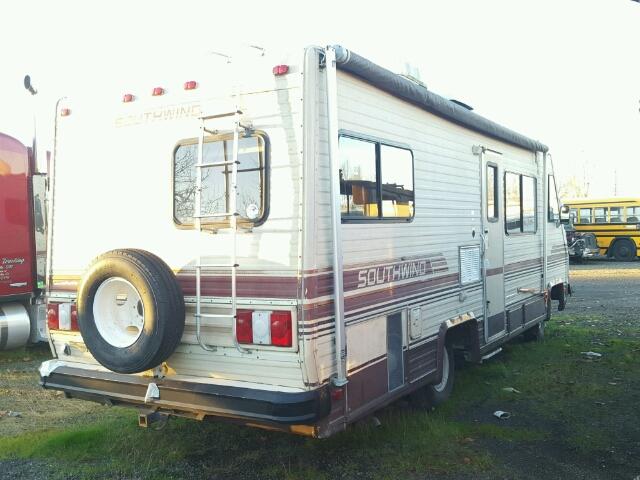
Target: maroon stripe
[[322, 285], [389, 293], [559, 256], [421, 360], [494, 271], [511, 267], [367, 363], [249, 287]]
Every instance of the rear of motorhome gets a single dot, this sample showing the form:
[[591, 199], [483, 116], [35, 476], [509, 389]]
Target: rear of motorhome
[[197, 226], [22, 246]]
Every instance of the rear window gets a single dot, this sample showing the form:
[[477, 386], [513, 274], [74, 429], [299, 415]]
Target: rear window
[[216, 181]]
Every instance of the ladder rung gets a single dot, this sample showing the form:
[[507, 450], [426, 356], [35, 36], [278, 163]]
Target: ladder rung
[[215, 164], [221, 115], [213, 315], [218, 265], [217, 215]]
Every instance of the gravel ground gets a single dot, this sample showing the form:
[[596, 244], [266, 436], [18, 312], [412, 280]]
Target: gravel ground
[[607, 288]]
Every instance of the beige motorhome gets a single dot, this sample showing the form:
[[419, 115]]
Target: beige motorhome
[[196, 226]]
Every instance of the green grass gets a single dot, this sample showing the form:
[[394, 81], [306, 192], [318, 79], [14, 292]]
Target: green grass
[[565, 399]]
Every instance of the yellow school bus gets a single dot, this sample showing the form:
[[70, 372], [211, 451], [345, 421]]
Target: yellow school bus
[[614, 221]]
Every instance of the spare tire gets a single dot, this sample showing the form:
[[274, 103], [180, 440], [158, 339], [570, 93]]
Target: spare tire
[[130, 310]]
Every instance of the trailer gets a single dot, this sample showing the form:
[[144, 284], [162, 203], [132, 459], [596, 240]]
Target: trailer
[[290, 241], [22, 246]]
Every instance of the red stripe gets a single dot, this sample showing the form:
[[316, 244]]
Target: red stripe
[[386, 294], [247, 287]]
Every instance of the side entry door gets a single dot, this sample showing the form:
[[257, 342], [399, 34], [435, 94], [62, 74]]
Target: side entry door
[[493, 251]]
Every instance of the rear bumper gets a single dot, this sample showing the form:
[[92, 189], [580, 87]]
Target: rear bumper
[[201, 399]]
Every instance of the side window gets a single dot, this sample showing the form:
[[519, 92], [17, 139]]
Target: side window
[[358, 187], [615, 214], [520, 201], [216, 181], [554, 204], [376, 180], [396, 178], [585, 215], [528, 204], [512, 202], [600, 215], [633, 214], [492, 193]]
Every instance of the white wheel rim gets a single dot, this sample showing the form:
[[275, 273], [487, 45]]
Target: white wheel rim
[[118, 312], [445, 373]]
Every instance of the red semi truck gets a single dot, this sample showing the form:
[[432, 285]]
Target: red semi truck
[[22, 246]]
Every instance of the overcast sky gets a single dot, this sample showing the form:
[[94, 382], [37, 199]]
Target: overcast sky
[[564, 72]]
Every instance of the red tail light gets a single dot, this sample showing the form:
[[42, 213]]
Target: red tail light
[[158, 91], [74, 318], [263, 327], [128, 97], [62, 316], [281, 331], [190, 85], [52, 316], [244, 329], [280, 70]]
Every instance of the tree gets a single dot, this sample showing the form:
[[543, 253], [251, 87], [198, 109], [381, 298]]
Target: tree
[[572, 188]]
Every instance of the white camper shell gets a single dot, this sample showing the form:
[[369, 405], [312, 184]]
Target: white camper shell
[[194, 234]]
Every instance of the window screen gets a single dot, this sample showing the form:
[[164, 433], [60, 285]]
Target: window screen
[[376, 180], [216, 182]]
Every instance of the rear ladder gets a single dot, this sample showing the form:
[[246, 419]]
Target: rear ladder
[[231, 214]]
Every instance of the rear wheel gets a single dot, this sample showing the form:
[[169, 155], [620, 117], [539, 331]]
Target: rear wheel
[[435, 394], [624, 250]]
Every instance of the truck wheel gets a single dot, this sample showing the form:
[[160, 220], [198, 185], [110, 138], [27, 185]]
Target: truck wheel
[[130, 310], [433, 395], [624, 250]]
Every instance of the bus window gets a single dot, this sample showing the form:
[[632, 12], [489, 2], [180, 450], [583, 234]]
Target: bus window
[[573, 215], [600, 215], [615, 214], [633, 214], [585, 215]]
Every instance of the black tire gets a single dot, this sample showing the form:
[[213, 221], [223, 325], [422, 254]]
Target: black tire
[[535, 333], [433, 395], [161, 303], [624, 250]]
